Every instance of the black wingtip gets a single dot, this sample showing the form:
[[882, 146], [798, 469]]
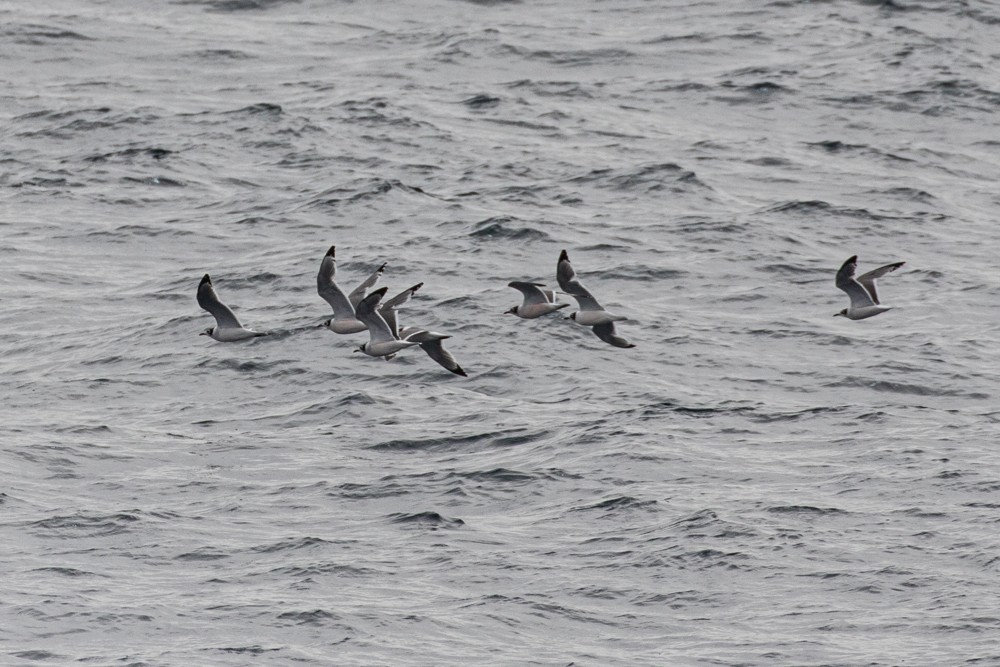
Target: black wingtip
[[380, 291], [416, 287], [457, 370], [853, 259], [563, 256], [381, 268], [332, 252], [205, 279]]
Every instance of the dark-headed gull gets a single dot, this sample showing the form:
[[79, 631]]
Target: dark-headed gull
[[591, 313], [537, 302], [862, 290], [429, 341], [382, 341], [227, 326]]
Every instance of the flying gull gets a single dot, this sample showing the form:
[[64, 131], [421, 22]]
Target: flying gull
[[862, 290], [227, 326], [591, 313], [537, 302]]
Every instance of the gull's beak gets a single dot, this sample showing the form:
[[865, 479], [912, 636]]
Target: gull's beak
[[203, 333]]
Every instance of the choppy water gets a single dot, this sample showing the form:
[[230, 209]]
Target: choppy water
[[757, 483]]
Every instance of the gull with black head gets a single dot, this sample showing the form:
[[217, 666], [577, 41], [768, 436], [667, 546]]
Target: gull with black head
[[382, 341], [591, 313], [862, 290], [537, 301], [227, 327]]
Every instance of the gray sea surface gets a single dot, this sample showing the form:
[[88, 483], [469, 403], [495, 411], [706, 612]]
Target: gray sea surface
[[755, 483]]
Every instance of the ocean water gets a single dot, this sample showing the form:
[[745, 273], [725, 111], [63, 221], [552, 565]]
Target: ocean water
[[755, 483]]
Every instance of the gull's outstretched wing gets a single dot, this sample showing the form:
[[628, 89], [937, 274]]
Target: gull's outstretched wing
[[568, 283], [431, 343], [209, 300], [388, 308], [328, 288], [608, 334], [531, 291], [868, 280], [847, 282], [359, 292], [367, 312]]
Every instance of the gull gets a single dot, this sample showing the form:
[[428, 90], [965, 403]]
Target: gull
[[344, 320], [537, 302], [429, 341], [591, 313], [382, 342], [862, 290], [227, 327]]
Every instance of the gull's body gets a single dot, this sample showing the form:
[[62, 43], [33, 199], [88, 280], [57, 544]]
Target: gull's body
[[537, 302], [862, 290], [227, 327], [382, 341], [591, 313], [344, 320]]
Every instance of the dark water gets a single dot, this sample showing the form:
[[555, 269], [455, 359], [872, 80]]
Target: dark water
[[756, 483]]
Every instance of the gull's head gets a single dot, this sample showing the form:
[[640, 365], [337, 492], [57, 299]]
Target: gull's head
[[326, 323], [207, 332], [361, 348], [842, 313], [572, 316], [512, 311]]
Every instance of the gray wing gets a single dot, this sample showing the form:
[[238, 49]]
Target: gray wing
[[846, 281], [431, 343], [569, 284], [367, 312], [608, 334], [329, 290], [868, 280], [532, 293], [388, 308], [360, 291], [207, 299]]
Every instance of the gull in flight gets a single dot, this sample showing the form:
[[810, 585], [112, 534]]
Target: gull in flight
[[591, 313], [382, 341], [429, 341], [227, 327], [344, 320], [537, 302], [862, 290]]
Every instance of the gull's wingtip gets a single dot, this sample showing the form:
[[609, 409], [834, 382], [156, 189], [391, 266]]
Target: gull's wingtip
[[457, 370], [205, 279], [563, 256], [332, 252]]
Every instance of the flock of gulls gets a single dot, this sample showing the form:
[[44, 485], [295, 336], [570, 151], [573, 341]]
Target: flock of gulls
[[361, 311]]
